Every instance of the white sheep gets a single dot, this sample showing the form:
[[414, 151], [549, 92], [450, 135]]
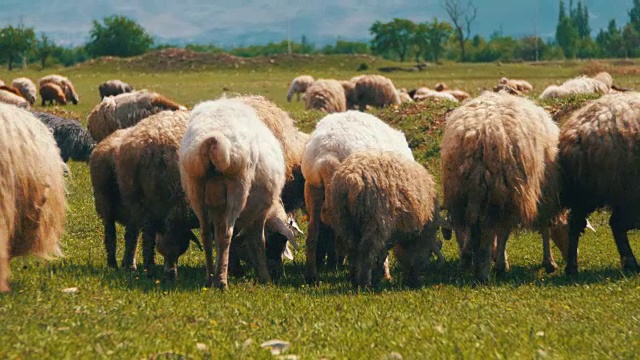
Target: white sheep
[[375, 90], [7, 97], [299, 86], [335, 137], [27, 88], [579, 85], [233, 171], [33, 206], [64, 83]]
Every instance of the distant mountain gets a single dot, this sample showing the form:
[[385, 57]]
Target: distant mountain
[[228, 23]]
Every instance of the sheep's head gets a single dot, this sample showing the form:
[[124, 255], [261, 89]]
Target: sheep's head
[[279, 233], [172, 244], [504, 81]]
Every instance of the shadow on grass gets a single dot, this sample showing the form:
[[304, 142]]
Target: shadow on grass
[[191, 278]]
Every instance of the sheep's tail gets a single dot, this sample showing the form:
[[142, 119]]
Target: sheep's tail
[[165, 103], [213, 152]]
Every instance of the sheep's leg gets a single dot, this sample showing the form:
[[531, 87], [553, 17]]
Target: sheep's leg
[[207, 243], [223, 233], [387, 271], [380, 270], [577, 223], [367, 254], [620, 224], [4, 261], [256, 244], [465, 250], [110, 243], [148, 248], [235, 267], [130, 247], [548, 262], [502, 264], [328, 236], [314, 198], [482, 244], [43, 102]]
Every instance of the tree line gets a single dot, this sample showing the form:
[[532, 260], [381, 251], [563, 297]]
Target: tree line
[[398, 39]]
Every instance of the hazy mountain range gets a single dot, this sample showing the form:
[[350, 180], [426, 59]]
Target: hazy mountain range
[[228, 23]]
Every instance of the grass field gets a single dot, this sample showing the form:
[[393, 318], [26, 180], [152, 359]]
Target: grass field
[[121, 314]]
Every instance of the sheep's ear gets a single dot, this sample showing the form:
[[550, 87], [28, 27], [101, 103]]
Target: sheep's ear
[[282, 228], [590, 227], [194, 238], [287, 253]]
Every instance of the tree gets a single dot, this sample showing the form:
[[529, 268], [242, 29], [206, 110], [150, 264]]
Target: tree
[[396, 36], [15, 42], [437, 33], [580, 18], [611, 41], [44, 49], [634, 15], [119, 36], [566, 34], [461, 15], [630, 40]]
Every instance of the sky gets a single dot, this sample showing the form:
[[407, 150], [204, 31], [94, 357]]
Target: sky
[[230, 23]]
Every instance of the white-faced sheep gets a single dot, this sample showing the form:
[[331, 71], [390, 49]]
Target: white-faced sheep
[[498, 170], [458, 94], [404, 96], [65, 84], [299, 85], [52, 93], [381, 200], [113, 88], [72, 138], [33, 206], [375, 90], [233, 171], [9, 97], [599, 153], [605, 78], [522, 86], [326, 95], [579, 85], [335, 137], [108, 202], [423, 93], [125, 110], [27, 88]]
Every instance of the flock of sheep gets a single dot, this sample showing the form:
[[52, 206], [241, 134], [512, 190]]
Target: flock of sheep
[[237, 167]]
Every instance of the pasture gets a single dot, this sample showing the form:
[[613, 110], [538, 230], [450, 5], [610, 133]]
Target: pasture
[[122, 314]]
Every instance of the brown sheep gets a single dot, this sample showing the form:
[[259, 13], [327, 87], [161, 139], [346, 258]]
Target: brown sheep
[[375, 90], [498, 162], [51, 93], [326, 95], [33, 207], [65, 84], [522, 86], [113, 87], [378, 200], [9, 97], [599, 155]]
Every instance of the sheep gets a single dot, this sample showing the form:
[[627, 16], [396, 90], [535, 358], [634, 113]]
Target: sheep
[[404, 96], [233, 171], [498, 170], [579, 85], [33, 207], [605, 78], [350, 93], [292, 142], [507, 89], [335, 137], [326, 95], [109, 205], [72, 138], [377, 200], [27, 88], [599, 157], [50, 92], [375, 90], [125, 110], [1, 82], [521, 86], [458, 94], [113, 87], [9, 97], [423, 93], [299, 85], [65, 84]]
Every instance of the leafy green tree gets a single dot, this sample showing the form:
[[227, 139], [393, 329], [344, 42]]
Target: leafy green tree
[[566, 34], [15, 42], [580, 18], [396, 37], [630, 40], [530, 48], [462, 16], [346, 47], [44, 49], [634, 15], [437, 32], [118, 36], [610, 41]]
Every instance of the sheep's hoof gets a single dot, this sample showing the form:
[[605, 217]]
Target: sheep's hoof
[[311, 279], [571, 270], [630, 264], [549, 266], [171, 274], [501, 269], [112, 264], [4, 287], [222, 285]]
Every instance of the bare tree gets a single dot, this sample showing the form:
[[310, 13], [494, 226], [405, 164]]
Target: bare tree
[[462, 15]]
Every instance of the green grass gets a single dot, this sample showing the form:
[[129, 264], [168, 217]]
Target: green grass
[[122, 314]]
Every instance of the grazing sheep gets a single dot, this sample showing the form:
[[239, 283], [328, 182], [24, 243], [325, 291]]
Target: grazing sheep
[[579, 85], [498, 171], [335, 137], [299, 85], [51, 93], [326, 95], [377, 200], [72, 138], [599, 156], [404, 96], [458, 94], [27, 88], [423, 93], [125, 110], [521, 86], [65, 84], [33, 206], [9, 97], [292, 142], [375, 90], [605, 78], [350, 93], [12, 89], [108, 202], [507, 89], [113, 87], [233, 171]]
